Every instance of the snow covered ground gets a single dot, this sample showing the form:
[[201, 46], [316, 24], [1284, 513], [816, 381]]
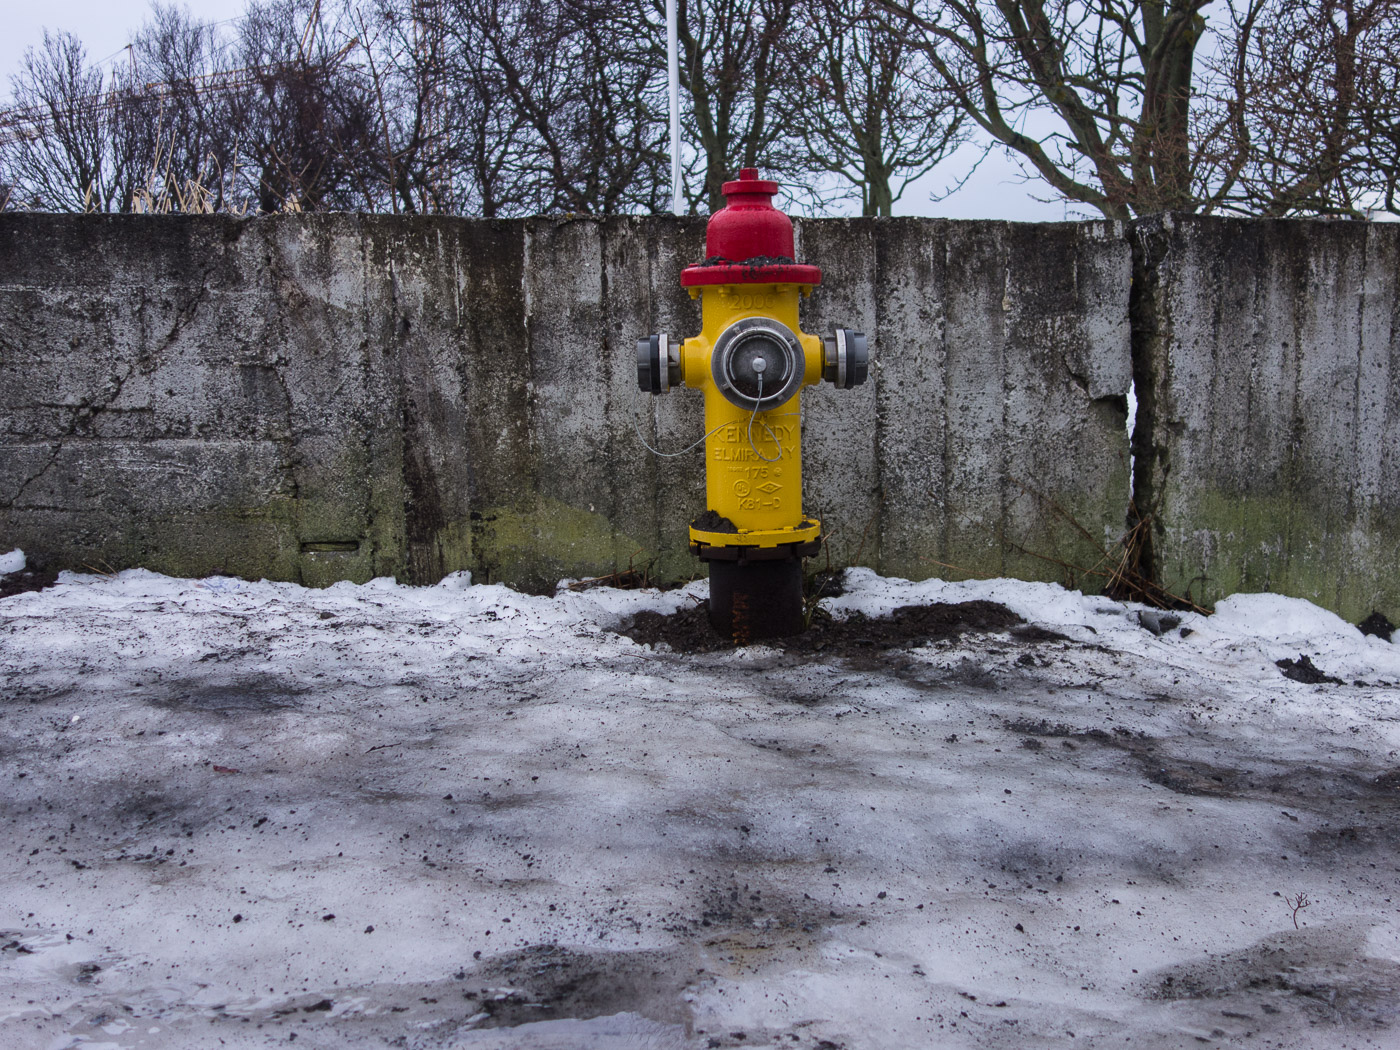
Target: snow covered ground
[[239, 814]]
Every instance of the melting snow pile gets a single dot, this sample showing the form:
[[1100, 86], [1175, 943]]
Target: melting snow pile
[[457, 816]]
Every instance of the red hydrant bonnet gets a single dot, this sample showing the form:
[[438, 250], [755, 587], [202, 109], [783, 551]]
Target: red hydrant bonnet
[[749, 241]]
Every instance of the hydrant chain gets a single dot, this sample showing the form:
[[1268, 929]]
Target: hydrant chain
[[759, 367], [637, 427]]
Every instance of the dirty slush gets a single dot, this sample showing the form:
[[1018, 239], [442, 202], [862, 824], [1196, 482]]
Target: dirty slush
[[991, 814]]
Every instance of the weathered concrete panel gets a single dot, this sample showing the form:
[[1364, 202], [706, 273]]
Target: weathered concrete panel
[[340, 384], [222, 334], [181, 506], [1068, 370], [911, 396], [1003, 374], [567, 527], [422, 337], [1269, 376], [493, 454], [655, 496]]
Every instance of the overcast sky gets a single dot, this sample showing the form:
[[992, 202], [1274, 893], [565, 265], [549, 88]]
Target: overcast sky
[[996, 190]]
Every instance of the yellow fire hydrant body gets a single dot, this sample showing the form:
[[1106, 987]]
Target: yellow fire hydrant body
[[751, 360], [753, 460]]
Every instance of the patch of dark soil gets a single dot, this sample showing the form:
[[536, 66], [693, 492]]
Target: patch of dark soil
[[24, 692], [1351, 839], [1034, 633], [257, 692], [968, 672], [26, 580], [1303, 787], [1333, 979], [907, 625], [1389, 781], [1183, 776], [1327, 793], [689, 630], [1040, 727], [829, 583], [545, 981], [713, 521], [1305, 671], [1378, 625], [745, 909], [1193, 778]]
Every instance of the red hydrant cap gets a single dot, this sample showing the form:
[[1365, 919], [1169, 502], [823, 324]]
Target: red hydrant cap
[[749, 241]]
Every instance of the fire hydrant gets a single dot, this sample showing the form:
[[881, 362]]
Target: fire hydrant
[[751, 360]]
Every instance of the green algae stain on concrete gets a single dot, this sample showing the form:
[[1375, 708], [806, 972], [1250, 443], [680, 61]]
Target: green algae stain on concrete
[[253, 543], [533, 547], [454, 548], [1065, 535], [1230, 544]]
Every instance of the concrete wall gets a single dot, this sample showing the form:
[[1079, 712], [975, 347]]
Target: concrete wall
[[335, 397], [1268, 447], [994, 424]]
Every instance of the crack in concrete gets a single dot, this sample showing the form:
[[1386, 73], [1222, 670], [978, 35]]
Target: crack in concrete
[[13, 502]]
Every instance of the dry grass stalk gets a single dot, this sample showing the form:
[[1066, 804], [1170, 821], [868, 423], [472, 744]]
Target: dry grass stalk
[[629, 579]]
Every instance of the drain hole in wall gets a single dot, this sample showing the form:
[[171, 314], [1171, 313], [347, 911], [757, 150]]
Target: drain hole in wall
[[331, 547]]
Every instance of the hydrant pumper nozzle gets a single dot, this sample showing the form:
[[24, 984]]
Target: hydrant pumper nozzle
[[751, 360]]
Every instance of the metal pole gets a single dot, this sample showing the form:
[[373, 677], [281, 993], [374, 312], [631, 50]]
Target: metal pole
[[673, 68]]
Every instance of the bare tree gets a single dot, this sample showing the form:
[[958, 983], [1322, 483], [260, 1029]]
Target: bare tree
[[617, 119], [402, 61], [1378, 111], [183, 72], [733, 59], [582, 84], [1293, 111], [1110, 81], [76, 137], [861, 107], [302, 119], [1300, 109], [489, 135]]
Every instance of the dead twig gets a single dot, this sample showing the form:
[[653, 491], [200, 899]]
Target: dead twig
[[1297, 903], [629, 579]]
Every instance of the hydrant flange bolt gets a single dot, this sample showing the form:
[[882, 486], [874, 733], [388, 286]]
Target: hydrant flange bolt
[[846, 358]]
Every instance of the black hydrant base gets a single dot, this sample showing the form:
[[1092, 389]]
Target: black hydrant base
[[754, 600]]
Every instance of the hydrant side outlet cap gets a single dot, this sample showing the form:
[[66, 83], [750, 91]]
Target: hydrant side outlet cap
[[749, 241]]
